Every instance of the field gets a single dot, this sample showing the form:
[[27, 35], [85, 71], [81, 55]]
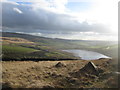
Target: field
[[22, 49]]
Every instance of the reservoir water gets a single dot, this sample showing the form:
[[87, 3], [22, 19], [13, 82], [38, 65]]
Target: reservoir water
[[86, 55]]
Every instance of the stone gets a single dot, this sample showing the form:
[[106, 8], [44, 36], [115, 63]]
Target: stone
[[59, 64], [90, 68]]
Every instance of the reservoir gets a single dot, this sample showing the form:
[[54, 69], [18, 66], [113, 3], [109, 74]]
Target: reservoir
[[86, 55]]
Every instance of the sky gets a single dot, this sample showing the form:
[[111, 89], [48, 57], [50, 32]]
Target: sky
[[65, 19]]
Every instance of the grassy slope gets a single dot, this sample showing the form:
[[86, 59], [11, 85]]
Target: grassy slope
[[13, 49], [61, 43], [49, 46], [45, 74], [39, 74], [16, 49], [47, 43]]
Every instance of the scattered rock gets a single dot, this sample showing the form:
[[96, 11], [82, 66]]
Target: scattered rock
[[59, 64], [90, 68]]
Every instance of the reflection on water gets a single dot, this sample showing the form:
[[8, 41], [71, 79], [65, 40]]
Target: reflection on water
[[86, 55]]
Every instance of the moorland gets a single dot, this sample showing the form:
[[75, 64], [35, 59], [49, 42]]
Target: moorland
[[38, 62]]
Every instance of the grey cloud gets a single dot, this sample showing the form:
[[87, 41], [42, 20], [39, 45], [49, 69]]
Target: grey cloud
[[31, 20]]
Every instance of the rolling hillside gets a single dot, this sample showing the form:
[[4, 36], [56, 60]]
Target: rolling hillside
[[58, 69], [14, 48], [61, 43], [23, 46]]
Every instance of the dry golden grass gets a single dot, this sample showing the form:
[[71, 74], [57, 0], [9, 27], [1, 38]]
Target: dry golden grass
[[15, 40], [30, 74]]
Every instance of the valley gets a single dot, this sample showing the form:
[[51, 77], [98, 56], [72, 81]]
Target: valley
[[35, 61]]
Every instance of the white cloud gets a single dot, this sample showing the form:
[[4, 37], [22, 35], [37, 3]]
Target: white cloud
[[44, 19], [52, 16], [57, 6], [102, 11]]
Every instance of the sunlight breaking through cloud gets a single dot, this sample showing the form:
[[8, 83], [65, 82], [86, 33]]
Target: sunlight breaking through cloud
[[42, 16]]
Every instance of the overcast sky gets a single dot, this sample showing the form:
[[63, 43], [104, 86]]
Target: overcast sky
[[66, 19]]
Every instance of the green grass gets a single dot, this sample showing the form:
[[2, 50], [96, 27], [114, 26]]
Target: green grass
[[29, 52], [17, 49], [14, 52], [50, 48]]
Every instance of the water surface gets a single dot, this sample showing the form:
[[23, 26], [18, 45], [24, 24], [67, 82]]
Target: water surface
[[86, 55]]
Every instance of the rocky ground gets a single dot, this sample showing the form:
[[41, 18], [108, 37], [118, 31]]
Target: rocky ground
[[59, 74]]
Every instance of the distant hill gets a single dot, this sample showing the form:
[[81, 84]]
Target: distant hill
[[61, 43], [27, 47], [23, 46]]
